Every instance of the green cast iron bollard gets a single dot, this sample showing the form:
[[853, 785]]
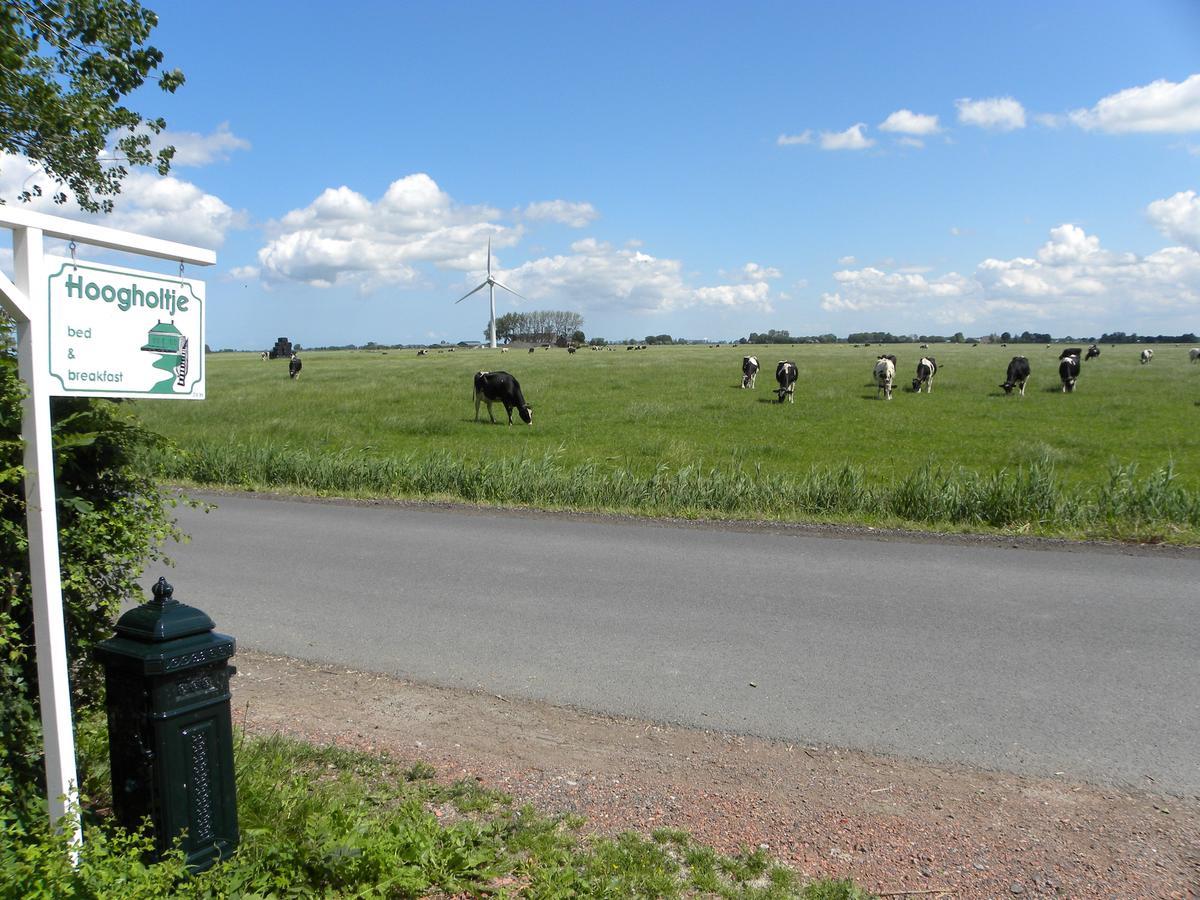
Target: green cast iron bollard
[[170, 732]]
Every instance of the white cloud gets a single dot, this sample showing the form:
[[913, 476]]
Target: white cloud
[[576, 215], [342, 238], [754, 272], [1162, 106], [847, 260], [994, 113], [905, 121], [850, 139], [1072, 276], [907, 141], [787, 140], [149, 204], [1178, 217], [173, 209], [597, 276], [192, 149]]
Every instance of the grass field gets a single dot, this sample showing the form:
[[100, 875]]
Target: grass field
[[675, 421]]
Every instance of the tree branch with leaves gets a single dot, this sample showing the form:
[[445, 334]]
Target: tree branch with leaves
[[65, 66]]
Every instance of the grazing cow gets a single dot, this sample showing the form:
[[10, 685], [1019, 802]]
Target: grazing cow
[[503, 349], [1194, 354], [924, 346], [531, 349], [500, 387], [422, 353], [1093, 352], [785, 375], [265, 355], [1147, 355], [885, 374], [1018, 374], [749, 371], [1071, 351], [294, 365], [1068, 371], [926, 369], [570, 349]]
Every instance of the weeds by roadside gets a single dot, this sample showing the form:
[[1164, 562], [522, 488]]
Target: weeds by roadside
[[338, 823]]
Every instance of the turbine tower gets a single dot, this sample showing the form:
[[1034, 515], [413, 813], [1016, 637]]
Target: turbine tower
[[491, 284]]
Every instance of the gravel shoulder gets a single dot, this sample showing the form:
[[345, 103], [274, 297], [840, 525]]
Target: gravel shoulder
[[895, 826]]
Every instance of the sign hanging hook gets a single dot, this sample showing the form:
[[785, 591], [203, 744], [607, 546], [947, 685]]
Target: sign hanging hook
[[181, 273], [71, 247]]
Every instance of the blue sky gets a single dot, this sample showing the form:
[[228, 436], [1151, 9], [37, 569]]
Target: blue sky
[[701, 170]]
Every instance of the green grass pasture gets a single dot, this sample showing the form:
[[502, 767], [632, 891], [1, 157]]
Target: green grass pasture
[[678, 413]]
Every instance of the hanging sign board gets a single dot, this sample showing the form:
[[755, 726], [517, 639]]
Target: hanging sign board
[[116, 332]]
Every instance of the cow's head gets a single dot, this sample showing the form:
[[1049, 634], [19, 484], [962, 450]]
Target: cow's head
[[526, 414], [1008, 386]]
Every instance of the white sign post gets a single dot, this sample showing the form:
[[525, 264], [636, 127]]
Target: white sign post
[[44, 347]]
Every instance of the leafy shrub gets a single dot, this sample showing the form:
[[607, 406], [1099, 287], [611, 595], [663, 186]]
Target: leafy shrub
[[112, 520]]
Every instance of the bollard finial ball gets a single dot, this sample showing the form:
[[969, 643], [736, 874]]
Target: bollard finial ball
[[162, 592]]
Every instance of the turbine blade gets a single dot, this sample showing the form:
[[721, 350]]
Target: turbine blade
[[470, 292], [507, 288], [489, 256]]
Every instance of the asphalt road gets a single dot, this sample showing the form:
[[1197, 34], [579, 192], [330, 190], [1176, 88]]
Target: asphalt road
[[1035, 660]]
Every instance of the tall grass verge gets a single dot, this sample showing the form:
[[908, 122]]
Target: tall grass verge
[[1026, 498]]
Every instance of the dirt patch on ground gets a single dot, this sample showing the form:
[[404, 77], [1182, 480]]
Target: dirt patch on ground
[[895, 826]]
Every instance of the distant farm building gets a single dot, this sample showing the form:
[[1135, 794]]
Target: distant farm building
[[281, 350]]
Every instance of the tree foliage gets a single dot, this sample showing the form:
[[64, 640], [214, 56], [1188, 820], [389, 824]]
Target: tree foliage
[[112, 520], [539, 325], [65, 66]]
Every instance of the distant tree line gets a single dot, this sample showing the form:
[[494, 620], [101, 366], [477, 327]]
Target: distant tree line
[[575, 335], [538, 326], [1120, 337], [784, 336], [1025, 337]]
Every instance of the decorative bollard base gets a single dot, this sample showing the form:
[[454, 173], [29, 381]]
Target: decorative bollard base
[[170, 730]]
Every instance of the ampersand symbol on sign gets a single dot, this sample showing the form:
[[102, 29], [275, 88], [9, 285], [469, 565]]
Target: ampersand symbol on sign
[[70, 354]]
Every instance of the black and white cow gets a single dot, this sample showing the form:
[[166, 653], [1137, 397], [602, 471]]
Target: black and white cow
[[500, 387], [1093, 352], [926, 369], [1147, 355], [785, 375], [885, 376], [1068, 372], [749, 371], [1194, 354], [1071, 351], [294, 366], [1018, 374]]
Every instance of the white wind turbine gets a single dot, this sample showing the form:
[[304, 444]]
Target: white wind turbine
[[491, 284]]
